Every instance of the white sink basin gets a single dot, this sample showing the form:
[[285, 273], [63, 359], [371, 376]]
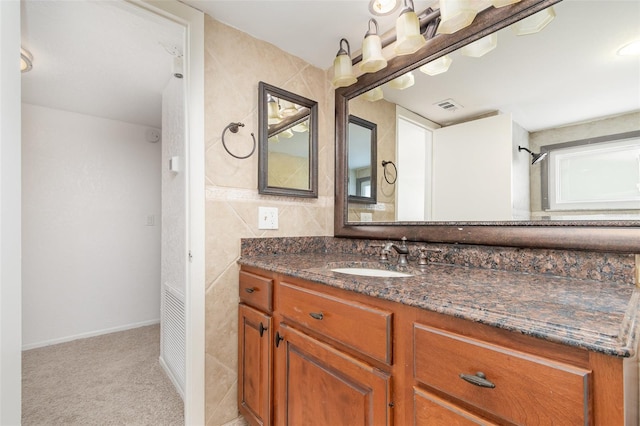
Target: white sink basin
[[370, 272]]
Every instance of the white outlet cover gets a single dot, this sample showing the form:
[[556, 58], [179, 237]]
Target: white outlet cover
[[267, 218]]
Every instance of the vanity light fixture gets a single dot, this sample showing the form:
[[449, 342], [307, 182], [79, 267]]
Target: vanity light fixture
[[273, 109], [502, 3], [408, 37], [343, 75], [383, 7], [630, 49], [455, 15], [480, 47], [302, 127], [372, 59], [437, 66], [288, 109], [402, 82], [536, 158], [26, 60], [287, 133], [535, 23], [373, 95]]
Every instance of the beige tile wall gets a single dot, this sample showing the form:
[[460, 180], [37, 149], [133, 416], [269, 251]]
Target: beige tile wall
[[234, 64]]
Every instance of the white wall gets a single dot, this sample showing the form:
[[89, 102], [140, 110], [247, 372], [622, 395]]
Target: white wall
[[472, 170], [521, 164], [10, 297], [91, 264]]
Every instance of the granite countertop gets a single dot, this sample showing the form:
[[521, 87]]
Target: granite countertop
[[594, 315]]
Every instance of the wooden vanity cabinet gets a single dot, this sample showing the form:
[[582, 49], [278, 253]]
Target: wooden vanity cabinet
[[255, 347], [339, 358]]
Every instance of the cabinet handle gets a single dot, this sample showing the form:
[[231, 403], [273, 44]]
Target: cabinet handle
[[279, 339], [249, 290], [478, 380], [262, 329], [316, 315]]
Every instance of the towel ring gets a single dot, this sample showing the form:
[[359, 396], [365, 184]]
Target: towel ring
[[233, 127], [384, 166]]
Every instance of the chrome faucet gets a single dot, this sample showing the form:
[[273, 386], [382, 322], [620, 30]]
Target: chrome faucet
[[401, 249]]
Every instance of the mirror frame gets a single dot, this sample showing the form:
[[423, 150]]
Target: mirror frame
[[373, 144], [605, 236], [263, 142]]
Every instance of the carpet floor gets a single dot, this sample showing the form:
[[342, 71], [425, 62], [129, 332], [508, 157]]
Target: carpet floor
[[113, 379]]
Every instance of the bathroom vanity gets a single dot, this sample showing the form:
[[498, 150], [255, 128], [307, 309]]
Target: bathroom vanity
[[449, 344]]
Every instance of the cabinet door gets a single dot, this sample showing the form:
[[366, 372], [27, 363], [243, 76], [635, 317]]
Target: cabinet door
[[254, 365], [319, 385], [429, 410]]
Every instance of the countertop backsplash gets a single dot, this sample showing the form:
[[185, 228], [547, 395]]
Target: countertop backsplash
[[612, 267]]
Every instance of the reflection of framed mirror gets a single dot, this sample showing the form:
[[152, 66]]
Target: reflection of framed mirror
[[288, 143], [596, 234], [362, 162]]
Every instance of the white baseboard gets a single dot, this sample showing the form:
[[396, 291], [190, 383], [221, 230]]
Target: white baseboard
[[89, 334], [171, 377]]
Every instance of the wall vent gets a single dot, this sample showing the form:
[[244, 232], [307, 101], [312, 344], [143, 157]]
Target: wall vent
[[449, 105], [173, 336]]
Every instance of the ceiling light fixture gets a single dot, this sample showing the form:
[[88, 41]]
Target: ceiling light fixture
[[372, 59], [383, 7], [437, 66], [343, 75], [535, 23], [26, 60], [536, 157], [408, 37], [455, 15], [630, 49]]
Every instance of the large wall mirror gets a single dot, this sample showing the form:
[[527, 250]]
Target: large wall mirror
[[465, 139], [288, 143]]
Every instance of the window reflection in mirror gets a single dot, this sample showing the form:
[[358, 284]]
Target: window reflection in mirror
[[482, 108], [288, 143]]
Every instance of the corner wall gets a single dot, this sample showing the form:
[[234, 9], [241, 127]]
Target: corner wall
[[234, 64], [91, 263]]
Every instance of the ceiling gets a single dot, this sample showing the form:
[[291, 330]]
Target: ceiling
[[107, 59]]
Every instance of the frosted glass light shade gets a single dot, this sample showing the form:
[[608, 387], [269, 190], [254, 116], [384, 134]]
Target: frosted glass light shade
[[502, 3], [343, 75], [438, 66], [535, 23], [403, 82], [408, 37], [288, 109], [455, 15], [374, 94], [273, 112], [481, 47], [302, 127], [372, 59], [288, 133]]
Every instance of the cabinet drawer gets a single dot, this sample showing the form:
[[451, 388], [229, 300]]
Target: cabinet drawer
[[528, 389], [429, 410], [256, 291], [355, 325]]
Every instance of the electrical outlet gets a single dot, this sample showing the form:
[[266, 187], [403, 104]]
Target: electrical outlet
[[267, 218]]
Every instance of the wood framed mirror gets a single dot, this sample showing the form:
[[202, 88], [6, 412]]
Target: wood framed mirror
[[362, 161], [582, 233], [288, 143]]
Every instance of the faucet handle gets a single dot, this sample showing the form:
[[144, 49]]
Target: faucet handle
[[423, 260]]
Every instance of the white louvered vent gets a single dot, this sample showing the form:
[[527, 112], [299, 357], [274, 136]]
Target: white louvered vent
[[449, 105], [173, 335]]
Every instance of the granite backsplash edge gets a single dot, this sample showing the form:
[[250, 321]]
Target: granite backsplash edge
[[613, 267]]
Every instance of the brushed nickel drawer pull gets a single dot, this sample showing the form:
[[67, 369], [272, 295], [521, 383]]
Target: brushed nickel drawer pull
[[478, 380], [249, 290], [316, 315]]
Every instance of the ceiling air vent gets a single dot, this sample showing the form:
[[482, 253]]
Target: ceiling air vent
[[449, 105]]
